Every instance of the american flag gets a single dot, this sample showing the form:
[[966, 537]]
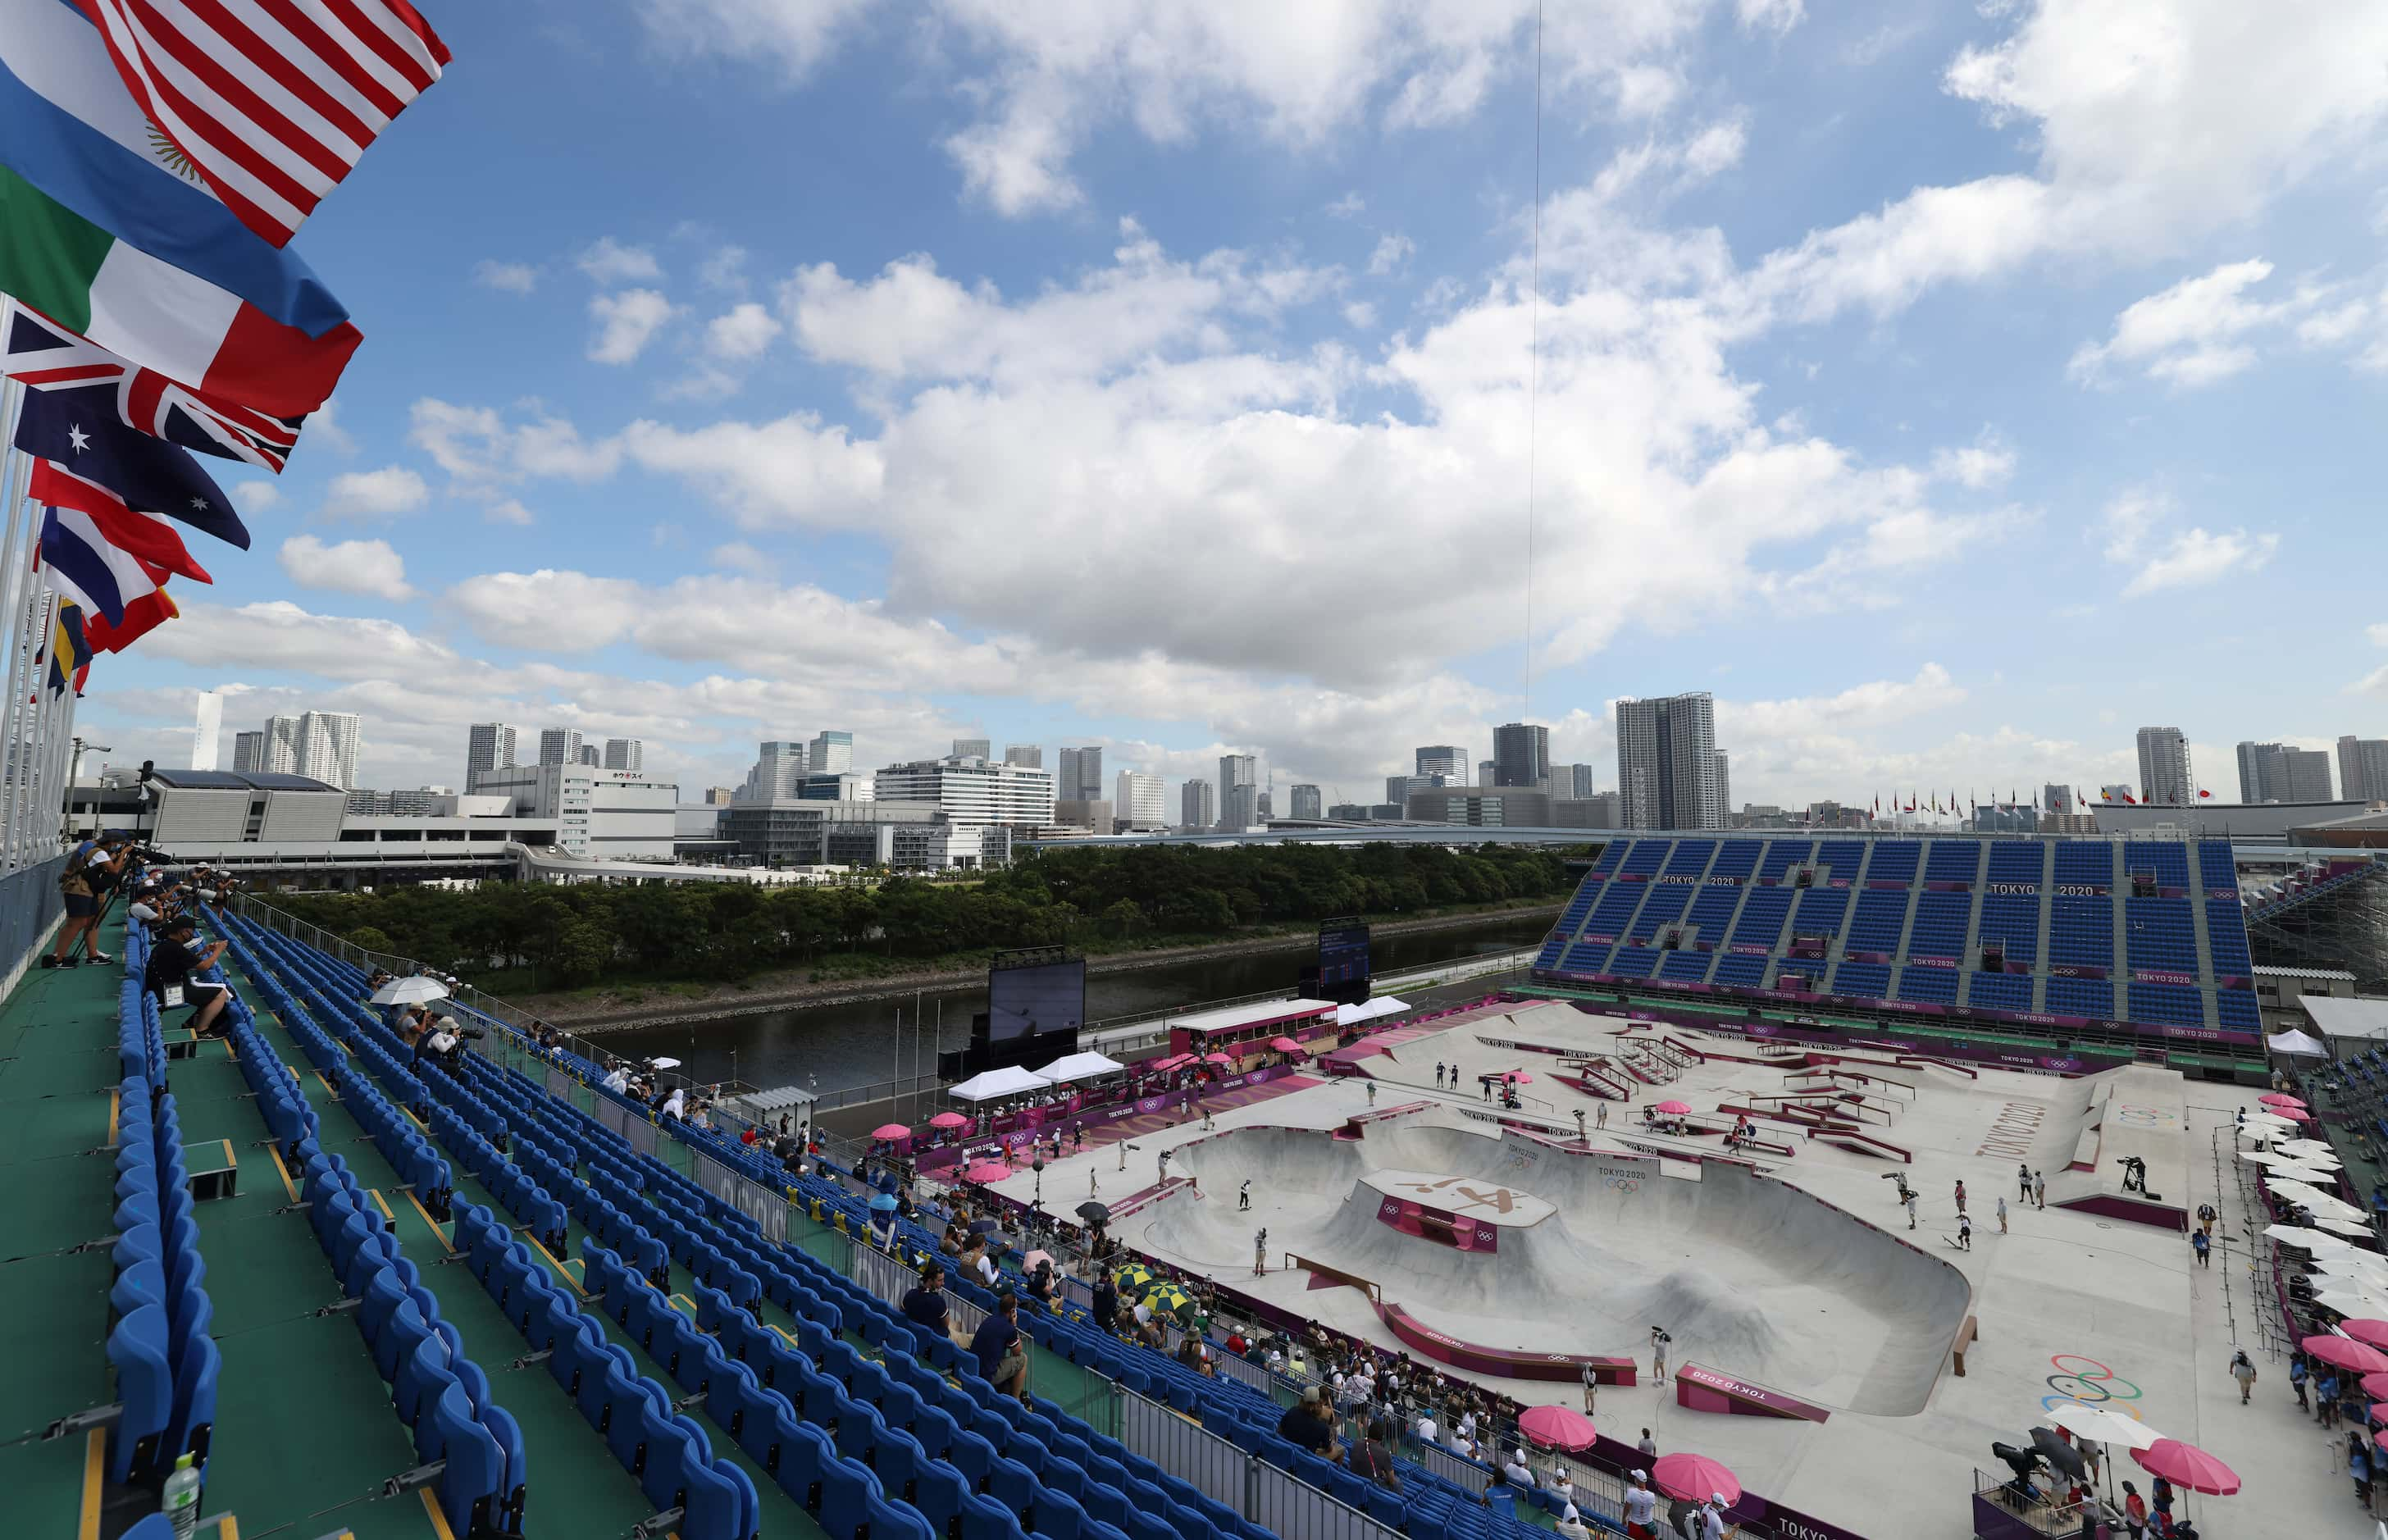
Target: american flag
[[46, 356], [272, 102]]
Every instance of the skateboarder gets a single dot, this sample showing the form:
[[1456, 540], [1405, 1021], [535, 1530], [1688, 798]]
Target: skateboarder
[[1911, 1210], [1960, 1195], [2023, 1179], [1438, 1074], [1244, 1196], [1260, 1253], [1964, 1233]]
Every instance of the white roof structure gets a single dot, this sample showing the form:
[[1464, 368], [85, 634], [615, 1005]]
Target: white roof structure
[[2344, 1016], [1369, 1011], [995, 1083], [1080, 1066], [2295, 1042], [1236, 1017]]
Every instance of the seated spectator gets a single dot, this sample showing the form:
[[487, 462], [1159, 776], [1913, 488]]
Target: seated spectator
[[1570, 1525], [1235, 1344], [171, 964], [1520, 1475], [617, 1079], [1371, 1460], [440, 1046], [1001, 1358], [925, 1303], [1304, 1425]]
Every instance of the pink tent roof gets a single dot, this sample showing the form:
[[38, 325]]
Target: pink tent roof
[[1287, 1045], [2371, 1331], [1557, 1428], [1217, 1059], [2187, 1465], [949, 1120], [987, 1171], [1173, 1061], [1694, 1478], [2347, 1353], [1675, 1109], [891, 1130]]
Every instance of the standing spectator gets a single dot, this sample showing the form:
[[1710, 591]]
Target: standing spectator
[[1641, 1503], [2207, 1215], [1106, 1304], [2002, 1214], [1648, 1446], [2023, 1181], [80, 885], [2039, 1188], [2297, 1373], [2326, 1396], [1591, 1385], [2359, 1467], [1659, 1341]]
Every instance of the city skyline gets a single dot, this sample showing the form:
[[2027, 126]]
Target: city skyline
[[1916, 293]]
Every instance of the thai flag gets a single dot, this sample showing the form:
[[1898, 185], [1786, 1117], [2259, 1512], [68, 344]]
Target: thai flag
[[80, 564]]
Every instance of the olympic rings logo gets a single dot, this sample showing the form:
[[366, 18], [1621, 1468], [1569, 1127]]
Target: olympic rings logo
[[2084, 1380]]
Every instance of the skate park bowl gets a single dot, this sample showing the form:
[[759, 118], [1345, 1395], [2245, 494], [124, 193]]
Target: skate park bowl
[[1515, 1242]]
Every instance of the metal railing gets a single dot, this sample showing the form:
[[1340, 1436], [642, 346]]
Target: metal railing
[[29, 910]]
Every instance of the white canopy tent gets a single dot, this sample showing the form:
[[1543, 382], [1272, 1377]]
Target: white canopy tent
[[1080, 1066], [1369, 1011], [995, 1084], [2295, 1042]]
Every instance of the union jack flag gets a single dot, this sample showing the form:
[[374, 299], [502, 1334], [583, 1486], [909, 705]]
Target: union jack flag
[[47, 356], [272, 102]]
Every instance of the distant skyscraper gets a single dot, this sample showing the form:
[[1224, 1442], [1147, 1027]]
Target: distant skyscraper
[[559, 746], [281, 756], [832, 754], [1444, 759], [1723, 786], [1397, 787], [625, 754], [2112, 792], [973, 748], [1666, 763], [2274, 773], [1198, 805], [1308, 802], [1573, 782], [2055, 798], [2165, 779], [1483, 772], [1080, 775], [1027, 756], [328, 747], [1238, 771], [206, 729], [247, 753], [780, 767], [488, 746], [2363, 769], [1141, 799], [1521, 755]]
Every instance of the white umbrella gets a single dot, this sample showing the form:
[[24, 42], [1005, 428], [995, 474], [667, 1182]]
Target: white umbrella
[[412, 990], [2084, 1420], [2309, 1149], [2312, 1176], [2311, 1240], [2305, 1195], [2351, 1302], [2344, 1227], [2266, 1120], [2265, 1157], [663, 1064]]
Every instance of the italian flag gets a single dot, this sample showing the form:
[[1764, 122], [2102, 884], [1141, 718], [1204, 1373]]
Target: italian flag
[[184, 327]]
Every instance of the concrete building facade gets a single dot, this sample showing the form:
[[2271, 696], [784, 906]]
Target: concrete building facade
[[1667, 762], [1521, 756], [1139, 800], [1197, 804], [2165, 780], [974, 792]]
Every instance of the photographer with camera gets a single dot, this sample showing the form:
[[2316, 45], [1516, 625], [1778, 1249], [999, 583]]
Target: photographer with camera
[[89, 871], [171, 963]]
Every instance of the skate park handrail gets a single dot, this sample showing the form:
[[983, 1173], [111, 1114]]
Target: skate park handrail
[[1295, 1259], [1851, 1139]]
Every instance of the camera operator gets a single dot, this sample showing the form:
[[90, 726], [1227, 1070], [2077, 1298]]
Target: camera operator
[[173, 962], [440, 1045], [89, 870]]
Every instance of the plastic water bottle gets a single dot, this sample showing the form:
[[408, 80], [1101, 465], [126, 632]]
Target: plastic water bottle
[[182, 1501]]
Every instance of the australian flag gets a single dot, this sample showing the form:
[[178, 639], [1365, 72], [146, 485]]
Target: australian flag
[[52, 358], [149, 475]]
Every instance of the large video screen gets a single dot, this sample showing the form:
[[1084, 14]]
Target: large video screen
[[1343, 955], [1034, 1001]]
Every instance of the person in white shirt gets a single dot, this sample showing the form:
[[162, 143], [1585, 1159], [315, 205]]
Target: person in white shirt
[[1562, 1484], [1427, 1432], [1712, 1517], [1520, 1475], [1640, 1507], [676, 1104], [1570, 1525], [619, 1080]]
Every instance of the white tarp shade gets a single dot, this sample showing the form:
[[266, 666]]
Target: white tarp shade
[[1080, 1066], [995, 1083], [1369, 1011], [2295, 1042]]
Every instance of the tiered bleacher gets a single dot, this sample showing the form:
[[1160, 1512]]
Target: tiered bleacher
[[2144, 935]]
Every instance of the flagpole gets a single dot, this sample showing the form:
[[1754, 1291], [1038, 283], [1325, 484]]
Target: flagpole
[[17, 584]]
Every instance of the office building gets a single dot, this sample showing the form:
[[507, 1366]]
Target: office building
[[1573, 782], [2275, 772], [1139, 800], [1237, 771], [1398, 787], [280, 754], [1092, 814], [832, 754], [320, 744], [2117, 793], [973, 748], [488, 746], [718, 797], [1080, 775], [1667, 762], [1485, 807], [848, 787], [1600, 810], [592, 756], [2164, 776], [1307, 802], [1723, 786], [1350, 812], [973, 791], [1197, 804], [1521, 756], [902, 835], [1027, 756], [247, 753], [2055, 798], [625, 754], [2363, 769], [780, 765], [559, 746], [599, 814], [1483, 772], [1448, 760], [207, 730]]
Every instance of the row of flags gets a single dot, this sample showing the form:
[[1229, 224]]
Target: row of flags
[[156, 157], [1931, 802]]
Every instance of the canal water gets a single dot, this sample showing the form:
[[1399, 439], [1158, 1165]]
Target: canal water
[[830, 1048]]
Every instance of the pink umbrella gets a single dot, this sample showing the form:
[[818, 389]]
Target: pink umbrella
[[2294, 1114], [2375, 1332], [2187, 1465], [1557, 1428], [2375, 1384], [1675, 1109], [2279, 1098], [994, 1171], [1521, 1077], [891, 1130], [1694, 1478], [2347, 1353], [949, 1120], [1217, 1059], [2380, 1438], [1287, 1045], [2379, 1411]]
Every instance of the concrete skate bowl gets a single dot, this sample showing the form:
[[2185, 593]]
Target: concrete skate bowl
[[1749, 1275]]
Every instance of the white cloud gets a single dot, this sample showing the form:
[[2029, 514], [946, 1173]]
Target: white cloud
[[724, 270], [367, 566], [626, 324], [2141, 531], [506, 278], [1987, 462], [741, 333], [507, 510], [2379, 634], [1360, 316], [1350, 206], [324, 429], [374, 494], [791, 471], [257, 497], [1392, 251], [1716, 148], [794, 34], [1771, 16], [609, 262], [2191, 333]]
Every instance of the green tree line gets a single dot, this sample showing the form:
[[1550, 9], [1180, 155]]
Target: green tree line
[[1095, 899]]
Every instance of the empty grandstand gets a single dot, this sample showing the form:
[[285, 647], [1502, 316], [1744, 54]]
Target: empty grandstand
[[2096, 940]]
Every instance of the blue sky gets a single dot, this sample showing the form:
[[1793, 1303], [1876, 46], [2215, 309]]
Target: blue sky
[[1950, 396]]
